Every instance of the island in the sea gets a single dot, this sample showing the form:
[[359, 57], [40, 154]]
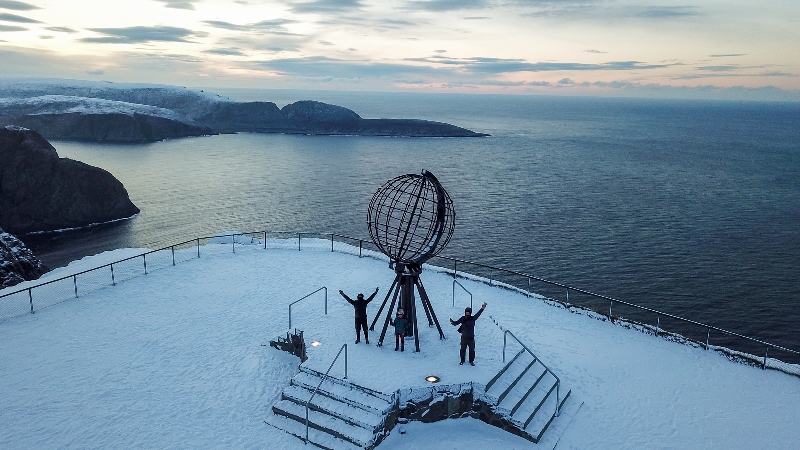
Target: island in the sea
[[112, 112]]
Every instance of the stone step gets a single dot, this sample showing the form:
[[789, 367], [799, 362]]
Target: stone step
[[325, 422], [365, 418], [315, 437], [342, 392], [508, 381], [546, 415]]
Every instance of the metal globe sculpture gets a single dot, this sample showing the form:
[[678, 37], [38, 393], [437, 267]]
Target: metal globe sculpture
[[411, 219]]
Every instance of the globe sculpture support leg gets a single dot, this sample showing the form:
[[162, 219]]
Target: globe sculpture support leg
[[403, 286]]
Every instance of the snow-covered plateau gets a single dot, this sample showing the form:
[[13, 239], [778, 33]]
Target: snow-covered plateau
[[177, 359]]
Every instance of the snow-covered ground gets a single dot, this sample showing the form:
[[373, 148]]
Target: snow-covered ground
[[174, 359]]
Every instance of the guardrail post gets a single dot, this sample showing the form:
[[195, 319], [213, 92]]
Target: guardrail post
[[610, 304], [265, 240], [144, 258], [528, 293], [290, 316], [233, 242], [173, 255], [113, 282], [75, 283], [298, 241], [567, 296], [326, 302], [505, 333], [198, 247], [765, 358], [331, 241], [490, 276], [708, 336], [345, 361], [360, 245], [455, 269], [30, 298]]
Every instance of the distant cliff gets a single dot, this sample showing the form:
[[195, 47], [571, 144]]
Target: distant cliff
[[41, 192], [17, 262], [62, 109]]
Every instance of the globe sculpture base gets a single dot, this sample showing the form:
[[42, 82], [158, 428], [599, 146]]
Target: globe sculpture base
[[405, 282]]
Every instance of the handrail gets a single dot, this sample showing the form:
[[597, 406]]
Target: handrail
[[535, 358], [456, 261], [455, 282], [325, 377], [309, 295]]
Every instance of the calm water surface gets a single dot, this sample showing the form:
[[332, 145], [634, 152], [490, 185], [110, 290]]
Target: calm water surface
[[691, 208]]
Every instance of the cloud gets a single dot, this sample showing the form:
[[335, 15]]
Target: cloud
[[594, 51], [6, 17], [499, 65], [477, 18], [136, 35], [61, 29], [726, 55], [326, 6], [225, 52], [17, 6], [275, 26], [179, 5], [95, 72], [661, 12], [445, 5], [12, 28]]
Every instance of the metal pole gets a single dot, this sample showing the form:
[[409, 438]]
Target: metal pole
[[265, 240], [360, 244], [298, 241], [326, 302], [345, 361], [708, 336], [455, 268], [490, 276], [233, 242], [567, 296], [30, 297], [331, 241], [290, 317], [173, 255], [144, 258], [505, 334], [113, 282], [610, 304], [528, 294], [765, 358], [75, 283], [198, 247]]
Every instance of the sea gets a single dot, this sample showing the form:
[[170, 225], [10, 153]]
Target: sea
[[689, 208]]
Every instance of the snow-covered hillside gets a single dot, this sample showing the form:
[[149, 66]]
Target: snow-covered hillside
[[174, 359]]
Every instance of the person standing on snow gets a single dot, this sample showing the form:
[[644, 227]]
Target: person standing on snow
[[360, 306], [399, 324], [467, 322]]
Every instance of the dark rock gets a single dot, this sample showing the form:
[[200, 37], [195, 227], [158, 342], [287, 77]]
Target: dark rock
[[17, 262], [41, 192]]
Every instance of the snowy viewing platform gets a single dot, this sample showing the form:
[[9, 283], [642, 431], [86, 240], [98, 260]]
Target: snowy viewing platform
[[179, 358]]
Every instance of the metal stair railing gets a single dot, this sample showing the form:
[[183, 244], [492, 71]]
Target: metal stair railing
[[305, 297], [455, 282], [536, 358], [325, 377]]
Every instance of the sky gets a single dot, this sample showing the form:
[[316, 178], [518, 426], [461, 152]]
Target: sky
[[666, 48]]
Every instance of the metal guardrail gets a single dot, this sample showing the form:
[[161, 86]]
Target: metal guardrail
[[455, 282], [74, 285], [305, 297], [325, 377], [535, 358]]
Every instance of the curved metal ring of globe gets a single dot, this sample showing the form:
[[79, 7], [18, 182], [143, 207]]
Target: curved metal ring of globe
[[411, 218]]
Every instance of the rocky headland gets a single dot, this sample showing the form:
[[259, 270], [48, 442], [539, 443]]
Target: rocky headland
[[41, 192], [17, 262], [66, 109]]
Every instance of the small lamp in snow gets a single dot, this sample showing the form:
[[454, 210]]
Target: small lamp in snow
[[432, 379], [316, 343]]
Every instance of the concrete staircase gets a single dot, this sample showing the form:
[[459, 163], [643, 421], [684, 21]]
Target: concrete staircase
[[527, 394], [341, 415]]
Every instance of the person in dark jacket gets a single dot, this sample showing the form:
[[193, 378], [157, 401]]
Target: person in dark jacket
[[399, 324], [360, 307], [467, 322]]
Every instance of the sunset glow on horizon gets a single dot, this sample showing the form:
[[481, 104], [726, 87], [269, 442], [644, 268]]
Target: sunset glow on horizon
[[725, 49]]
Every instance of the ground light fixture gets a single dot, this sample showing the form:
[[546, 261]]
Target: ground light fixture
[[432, 379], [316, 343]]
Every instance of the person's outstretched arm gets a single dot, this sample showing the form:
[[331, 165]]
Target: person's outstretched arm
[[481, 311], [349, 300], [456, 322], [373, 295]]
